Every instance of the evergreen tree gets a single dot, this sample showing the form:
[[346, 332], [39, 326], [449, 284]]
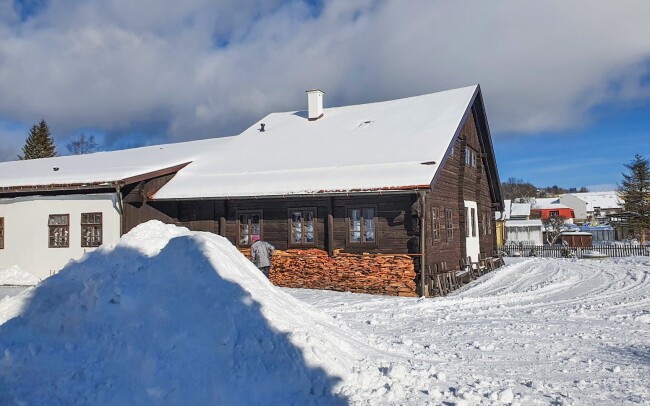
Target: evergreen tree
[[635, 192], [39, 143]]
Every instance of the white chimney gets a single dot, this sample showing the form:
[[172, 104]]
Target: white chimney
[[314, 104]]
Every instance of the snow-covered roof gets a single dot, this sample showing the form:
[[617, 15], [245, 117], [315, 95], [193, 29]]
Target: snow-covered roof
[[103, 167], [520, 210], [524, 223], [602, 200], [548, 203], [390, 145]]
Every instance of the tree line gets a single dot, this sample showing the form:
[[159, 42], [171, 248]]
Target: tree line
[[40, 143]]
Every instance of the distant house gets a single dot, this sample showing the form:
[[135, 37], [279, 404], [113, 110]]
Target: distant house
[[593, 207], [518, 228], [551, 207], [601, 234], [371, 184]]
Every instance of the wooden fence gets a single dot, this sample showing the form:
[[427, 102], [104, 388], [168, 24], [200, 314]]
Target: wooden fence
[[548, 251]]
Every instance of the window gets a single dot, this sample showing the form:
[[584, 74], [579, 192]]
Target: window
[[470, 157], [2, 232], [361, 226], [489, 223], [555, 213], [250, 227], [91, 229], [449, 224], [474, 224], [59, 225], [435, 219], [302, 226], [484, 223], [468, 226]]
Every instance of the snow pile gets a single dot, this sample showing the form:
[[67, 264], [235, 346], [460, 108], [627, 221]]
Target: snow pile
[[170, 316], [15, 276]]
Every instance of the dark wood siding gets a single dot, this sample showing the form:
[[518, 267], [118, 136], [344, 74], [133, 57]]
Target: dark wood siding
[[456, 183]]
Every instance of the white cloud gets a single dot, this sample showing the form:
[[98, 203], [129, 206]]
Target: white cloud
[[197, 68]]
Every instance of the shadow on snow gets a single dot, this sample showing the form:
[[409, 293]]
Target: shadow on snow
[[120, 327]]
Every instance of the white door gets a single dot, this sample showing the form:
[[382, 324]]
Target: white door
[[471, 234]]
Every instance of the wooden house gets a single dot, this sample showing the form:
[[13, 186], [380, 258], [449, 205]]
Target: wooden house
[[551, 207], [356, 198]]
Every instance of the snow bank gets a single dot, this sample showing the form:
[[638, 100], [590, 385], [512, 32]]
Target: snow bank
[[169, 316], [17, 277]]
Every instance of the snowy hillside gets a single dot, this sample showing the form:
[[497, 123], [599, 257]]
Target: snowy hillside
[[168, 316]]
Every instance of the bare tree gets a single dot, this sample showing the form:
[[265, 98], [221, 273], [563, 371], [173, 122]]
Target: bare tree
[[518, 190], [82, 145], [553, 226]]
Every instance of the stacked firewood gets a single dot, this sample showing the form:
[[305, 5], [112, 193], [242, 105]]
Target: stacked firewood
[[368, 273]]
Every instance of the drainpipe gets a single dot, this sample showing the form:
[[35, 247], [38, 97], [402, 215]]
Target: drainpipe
[[422, 243], [120, 207]]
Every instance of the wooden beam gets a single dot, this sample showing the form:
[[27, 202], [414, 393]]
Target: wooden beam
[[330, 227]]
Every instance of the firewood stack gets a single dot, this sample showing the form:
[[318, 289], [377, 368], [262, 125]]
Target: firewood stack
[[368, 273]]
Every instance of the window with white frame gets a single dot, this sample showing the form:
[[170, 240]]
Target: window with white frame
[[91, 229], [361, 225], [470, 157], [302, 226], [59, 230], [250, 227]]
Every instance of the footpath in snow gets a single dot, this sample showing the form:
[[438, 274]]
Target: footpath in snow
[[169, 316], [560, 332]]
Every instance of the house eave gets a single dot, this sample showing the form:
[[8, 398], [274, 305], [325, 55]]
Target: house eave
[[90, 186], [320, 193]]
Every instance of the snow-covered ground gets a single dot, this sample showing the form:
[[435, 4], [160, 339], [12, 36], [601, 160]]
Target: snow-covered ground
[[14, 276], [169, 316], [535, 332]]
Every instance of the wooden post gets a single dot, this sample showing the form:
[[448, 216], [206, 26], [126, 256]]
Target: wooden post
[[423, 260], [330, 227], [222, 219]]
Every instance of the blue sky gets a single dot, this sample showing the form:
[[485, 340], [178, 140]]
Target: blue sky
[[566, 84], [593, 155]]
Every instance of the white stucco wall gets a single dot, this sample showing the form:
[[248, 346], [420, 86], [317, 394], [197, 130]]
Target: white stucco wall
[[27, 232]]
